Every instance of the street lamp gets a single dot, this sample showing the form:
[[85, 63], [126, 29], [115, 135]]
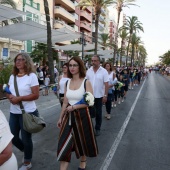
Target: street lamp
[[83, 42]]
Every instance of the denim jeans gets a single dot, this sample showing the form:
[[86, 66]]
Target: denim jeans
[[109, 103], [25, 144], [98, 105]]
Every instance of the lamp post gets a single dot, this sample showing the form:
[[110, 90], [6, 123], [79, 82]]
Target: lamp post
[[83, 42]]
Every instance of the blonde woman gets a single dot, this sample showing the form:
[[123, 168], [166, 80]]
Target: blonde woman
[[28, 88]]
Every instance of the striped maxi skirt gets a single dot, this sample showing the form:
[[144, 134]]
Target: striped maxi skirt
[[77, 134]]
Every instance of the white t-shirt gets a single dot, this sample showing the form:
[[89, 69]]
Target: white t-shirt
[[47, 81], [97, 80], [62, 84], [5, 138], [24, 87]]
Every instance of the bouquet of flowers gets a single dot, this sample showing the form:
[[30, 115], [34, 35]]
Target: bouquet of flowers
[[119, 85], [134, 74], [6, 89], [87, 99]]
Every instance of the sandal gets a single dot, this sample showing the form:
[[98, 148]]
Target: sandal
[[82, 168]]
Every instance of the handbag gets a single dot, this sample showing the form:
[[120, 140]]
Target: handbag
[[92, 109], [31, 123]]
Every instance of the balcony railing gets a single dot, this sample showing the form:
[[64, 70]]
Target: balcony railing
[[64, 13], [86, 15], [69, 4], [85, 25], [61, 24]]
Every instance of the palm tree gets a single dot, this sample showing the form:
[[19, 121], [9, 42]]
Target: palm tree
[[49, 42], [165, 58], [132, 25], [104, 38], [135, 43], [120, 4], [97, 6], [142, 54], [123, 35]]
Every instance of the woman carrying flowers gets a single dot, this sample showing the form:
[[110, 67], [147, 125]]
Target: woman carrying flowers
[[76, 128]]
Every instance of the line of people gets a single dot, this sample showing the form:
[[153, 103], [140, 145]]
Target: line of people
[[76, 126]]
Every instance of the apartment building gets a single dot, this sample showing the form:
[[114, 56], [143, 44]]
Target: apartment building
[[112, 30]]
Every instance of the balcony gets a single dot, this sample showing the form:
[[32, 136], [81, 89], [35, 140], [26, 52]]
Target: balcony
[[101, 28], [85, 25], [86, 15], [61, 24], [67, 4], [103, 12], [64, 14], [58, 25], [11, 41], [102, 19]]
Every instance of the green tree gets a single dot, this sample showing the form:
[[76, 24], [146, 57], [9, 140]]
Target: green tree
[[120, 4], [104, 40], [135, 43], [49, 42], [123, 35], [165, 58], [97, 6], [39, 53], [132, 25], [5, 73], [142, 55]]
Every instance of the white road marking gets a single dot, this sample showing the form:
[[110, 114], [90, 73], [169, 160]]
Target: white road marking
[[115, 145], [51, 106]]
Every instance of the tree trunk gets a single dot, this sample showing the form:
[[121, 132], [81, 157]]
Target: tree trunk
[[128, 49], [49, 42], [116, 37], [132, 55], [97, 14], [121, 53]]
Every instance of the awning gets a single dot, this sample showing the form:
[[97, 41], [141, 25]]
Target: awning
[[9, 13], [100, 52], [75, 47], [30, 30]]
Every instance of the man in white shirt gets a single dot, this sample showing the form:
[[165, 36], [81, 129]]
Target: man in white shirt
[[99, 79], [55, 73]]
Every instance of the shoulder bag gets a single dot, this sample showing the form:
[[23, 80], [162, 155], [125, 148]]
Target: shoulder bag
[[31, 123]]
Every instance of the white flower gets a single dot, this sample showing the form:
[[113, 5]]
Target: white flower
[[89, 98], [4, 86]]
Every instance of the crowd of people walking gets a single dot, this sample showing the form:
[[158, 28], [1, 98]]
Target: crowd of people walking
[[109, 86]]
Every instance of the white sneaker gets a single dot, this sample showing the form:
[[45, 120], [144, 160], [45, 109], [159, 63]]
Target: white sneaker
[[26, 167], [122, 100], [114, 105], [119, 102], [132, 87], [108, 117]]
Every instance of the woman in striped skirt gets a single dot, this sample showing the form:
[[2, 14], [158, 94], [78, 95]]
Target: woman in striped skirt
[[76, 128]]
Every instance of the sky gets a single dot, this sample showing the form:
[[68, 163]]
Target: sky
[[155, 17]]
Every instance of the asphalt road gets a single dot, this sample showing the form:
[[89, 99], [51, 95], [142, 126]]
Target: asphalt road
[[135, 138]]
